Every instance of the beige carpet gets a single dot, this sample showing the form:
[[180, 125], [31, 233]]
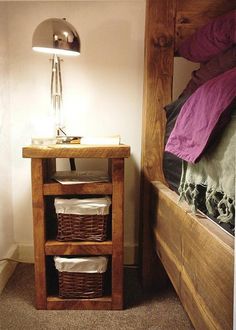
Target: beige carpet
[[143, 311]]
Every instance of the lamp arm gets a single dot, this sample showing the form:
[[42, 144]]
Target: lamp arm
[[56, 92]]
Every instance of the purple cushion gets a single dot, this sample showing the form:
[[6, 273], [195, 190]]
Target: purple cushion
[[217, 65], [216, 36], [172, 165], [200, 115]]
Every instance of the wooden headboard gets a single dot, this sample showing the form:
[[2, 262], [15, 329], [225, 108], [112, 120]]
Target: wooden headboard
[[167, 23]]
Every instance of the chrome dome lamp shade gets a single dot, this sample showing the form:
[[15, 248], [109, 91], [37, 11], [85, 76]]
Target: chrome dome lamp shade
[[57, 37]]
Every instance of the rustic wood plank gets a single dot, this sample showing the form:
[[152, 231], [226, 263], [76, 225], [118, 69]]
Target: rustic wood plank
[[195, 18], [117, 232], [53, 247], [158, 73], [159, 52], [76, 151], [86, 188], [206, 7], [56, 303], [198, 257], [39, 232], [191, 15]]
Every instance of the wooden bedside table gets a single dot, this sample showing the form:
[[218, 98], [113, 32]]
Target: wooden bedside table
[[43, 166]]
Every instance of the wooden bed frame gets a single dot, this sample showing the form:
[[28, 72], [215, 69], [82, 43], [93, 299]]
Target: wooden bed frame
[[197, 255]]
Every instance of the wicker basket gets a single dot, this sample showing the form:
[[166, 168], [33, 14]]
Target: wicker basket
[[82, 219], [81, 277], [80, 285], [81, 227]]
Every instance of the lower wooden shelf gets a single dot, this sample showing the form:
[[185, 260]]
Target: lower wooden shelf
[[53, 247], [54, 302]]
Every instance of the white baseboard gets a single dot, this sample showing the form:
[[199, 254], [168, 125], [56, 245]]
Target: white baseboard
[[7, 267], [26, 252]]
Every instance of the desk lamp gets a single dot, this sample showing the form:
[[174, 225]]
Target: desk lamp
[[57, 37]]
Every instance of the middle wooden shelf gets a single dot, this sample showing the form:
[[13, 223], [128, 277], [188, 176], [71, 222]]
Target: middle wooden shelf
[[53, 247]]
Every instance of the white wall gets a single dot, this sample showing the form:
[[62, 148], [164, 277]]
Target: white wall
[[7, 247], [6, 215], [102, 91]]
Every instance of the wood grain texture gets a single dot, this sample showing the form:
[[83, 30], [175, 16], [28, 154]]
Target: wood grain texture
[[76, 151], [208, 7], [158, 73], [39, 232], [117, 232], [191, 14], [53, 247], [56, 303], [87, 188], [199, 259]]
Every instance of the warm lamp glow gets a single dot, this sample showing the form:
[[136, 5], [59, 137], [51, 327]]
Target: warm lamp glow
[[55, 51]]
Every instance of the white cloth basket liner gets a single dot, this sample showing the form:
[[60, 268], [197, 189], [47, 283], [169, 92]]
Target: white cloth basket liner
[[89, 206], [81, 265]]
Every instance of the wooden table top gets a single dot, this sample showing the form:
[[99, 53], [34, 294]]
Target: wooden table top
[[76, 151]]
